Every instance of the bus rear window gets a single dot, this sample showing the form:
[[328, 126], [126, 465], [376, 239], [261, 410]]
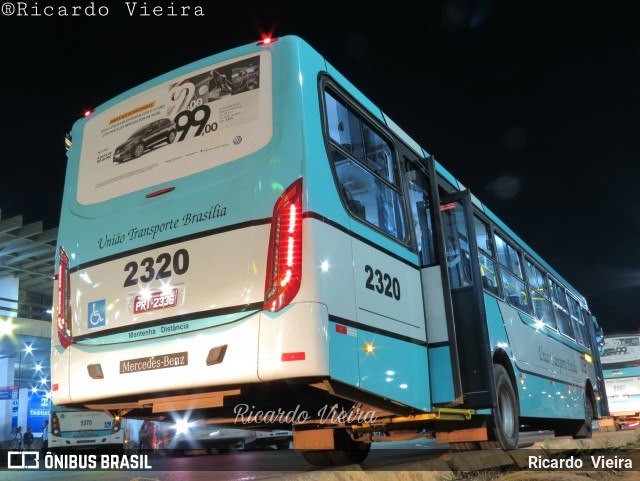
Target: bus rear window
[[198, 120]]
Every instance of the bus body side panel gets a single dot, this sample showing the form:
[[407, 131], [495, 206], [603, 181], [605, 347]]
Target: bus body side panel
[[343, 351], [441, 375], [388, 296], [323, 198], [293, 342], [388, 293], [395, 369], [354, 307], [545, 366], [328, 265], [441, 372], [497, 331], [328, 279]]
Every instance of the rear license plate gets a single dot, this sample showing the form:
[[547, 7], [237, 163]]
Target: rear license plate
[[157, 300]]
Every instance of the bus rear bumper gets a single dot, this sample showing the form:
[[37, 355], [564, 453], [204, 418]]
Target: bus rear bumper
[[263, 346], [294, 342], [218, 356]]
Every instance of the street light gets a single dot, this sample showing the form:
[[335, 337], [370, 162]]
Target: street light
[[6, 327]]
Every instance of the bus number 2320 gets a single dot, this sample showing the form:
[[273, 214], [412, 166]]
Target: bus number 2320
[[382, 283], [159, 268]]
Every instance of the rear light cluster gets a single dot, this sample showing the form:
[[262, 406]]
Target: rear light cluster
[[115, 427], [284, 262], [64, 301], [55, 424]]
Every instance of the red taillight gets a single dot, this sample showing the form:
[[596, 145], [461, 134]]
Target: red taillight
[[64, 301], [55, 424], [115, 427], [284, 262]]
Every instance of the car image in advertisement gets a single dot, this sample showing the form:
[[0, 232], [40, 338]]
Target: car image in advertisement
[[155, 134]]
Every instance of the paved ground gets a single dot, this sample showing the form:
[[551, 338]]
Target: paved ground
[[620, 449]]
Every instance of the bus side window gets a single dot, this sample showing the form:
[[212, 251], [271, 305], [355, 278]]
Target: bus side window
[[516, 291], [542, 306], [578, 321], [485, 255], [363, 163], [457, 247], [367, 197], [488, 273], [355, 206], [417, 183], [561, 309]]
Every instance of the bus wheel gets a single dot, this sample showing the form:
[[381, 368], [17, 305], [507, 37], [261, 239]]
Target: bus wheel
[[316, 458], [464, 446], [282, 445], [504, 425], [585, 430], [347, 451], [341, 457]]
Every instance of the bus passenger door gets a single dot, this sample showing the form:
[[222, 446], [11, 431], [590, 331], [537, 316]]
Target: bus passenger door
[[595, 337], [466, 337]]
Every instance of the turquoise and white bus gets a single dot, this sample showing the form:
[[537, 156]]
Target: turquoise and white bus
[[81, 429], [621, 368], [250, 240]]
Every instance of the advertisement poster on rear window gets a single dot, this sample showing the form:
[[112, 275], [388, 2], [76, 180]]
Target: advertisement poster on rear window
[[192, 123]]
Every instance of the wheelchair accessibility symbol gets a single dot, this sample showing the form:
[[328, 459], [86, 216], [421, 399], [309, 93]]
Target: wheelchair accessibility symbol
[[96, 314]]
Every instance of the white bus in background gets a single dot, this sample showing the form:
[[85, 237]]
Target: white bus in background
[[621, 369], [78, 429]]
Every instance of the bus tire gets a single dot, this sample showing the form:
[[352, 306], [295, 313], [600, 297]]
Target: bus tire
[[464, 446], [281, 446], [504, 423], [346, 451], [585, 430], [316, 458], [578, 429], [356, 455]]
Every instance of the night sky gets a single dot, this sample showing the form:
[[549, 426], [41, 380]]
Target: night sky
[[534, 106]]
